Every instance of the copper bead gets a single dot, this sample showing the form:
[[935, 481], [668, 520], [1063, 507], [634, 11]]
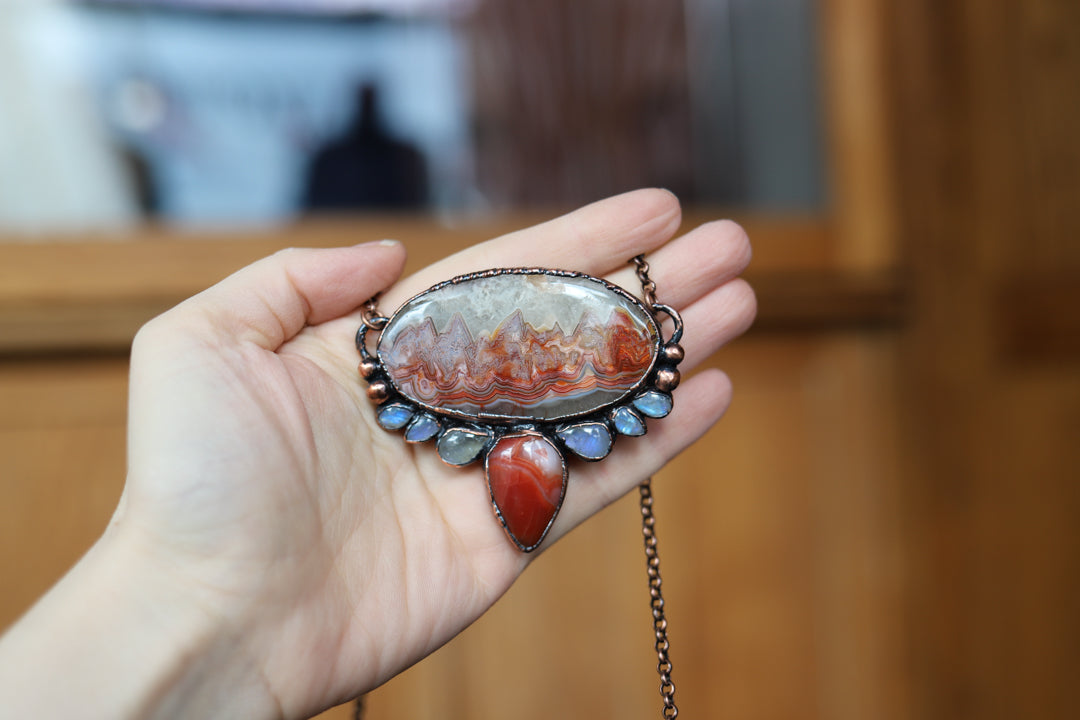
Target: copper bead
[[368, 368], [674, 353], [667, 379], [378, 391]]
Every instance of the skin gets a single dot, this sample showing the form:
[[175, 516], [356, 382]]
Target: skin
[[275, 552]]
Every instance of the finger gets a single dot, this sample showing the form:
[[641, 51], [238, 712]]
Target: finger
[[699, 404], [271, 300], [693, 265], [596, 239], [717, 319]]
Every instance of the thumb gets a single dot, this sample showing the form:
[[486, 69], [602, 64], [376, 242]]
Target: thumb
[[270, 301]]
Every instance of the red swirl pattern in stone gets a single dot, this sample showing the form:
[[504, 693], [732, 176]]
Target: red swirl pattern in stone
[[517, 362], [526, 478]]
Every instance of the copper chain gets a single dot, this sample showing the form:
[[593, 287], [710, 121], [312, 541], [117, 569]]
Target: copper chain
[[656, 601], [648, 287], [652, 557], [371, 317]]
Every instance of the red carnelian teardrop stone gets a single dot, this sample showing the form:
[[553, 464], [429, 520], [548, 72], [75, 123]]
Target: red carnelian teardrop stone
[[527, 479]]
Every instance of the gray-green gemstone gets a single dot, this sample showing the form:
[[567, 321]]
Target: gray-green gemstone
[[460, 446]]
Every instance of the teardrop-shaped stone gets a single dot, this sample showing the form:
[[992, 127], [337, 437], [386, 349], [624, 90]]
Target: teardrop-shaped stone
[[627, 422], [460, 446], [394, 417], [589, 440], [421, 429], [653, 403], [526, 477]]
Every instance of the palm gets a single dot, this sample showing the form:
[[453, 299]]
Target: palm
[[306, 489], [259, 469]]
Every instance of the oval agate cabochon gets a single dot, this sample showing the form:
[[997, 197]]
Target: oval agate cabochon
[[518, 345]]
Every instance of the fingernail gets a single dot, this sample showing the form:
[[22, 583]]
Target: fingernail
[[383, 243], [379, 243]]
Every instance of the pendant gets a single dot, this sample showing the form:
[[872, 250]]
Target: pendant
[[520, 368]]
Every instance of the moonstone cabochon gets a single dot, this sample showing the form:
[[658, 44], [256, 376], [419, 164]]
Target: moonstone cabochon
[[394, 416], [519, 344], [590, 440], [627, 422]]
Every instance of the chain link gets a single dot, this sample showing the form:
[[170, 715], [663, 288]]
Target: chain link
[[371, 317], [648, 287], [656, 602]]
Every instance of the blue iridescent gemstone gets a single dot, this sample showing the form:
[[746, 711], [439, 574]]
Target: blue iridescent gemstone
[[653, 403], [590, 440], [627, 422], [423, 427], [394, 417], [460, 446]]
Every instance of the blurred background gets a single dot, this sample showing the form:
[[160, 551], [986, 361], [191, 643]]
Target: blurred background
[[227, 112], [883, 525]]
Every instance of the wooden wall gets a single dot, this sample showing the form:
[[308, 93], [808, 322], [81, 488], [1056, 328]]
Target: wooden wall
[[986, 109]]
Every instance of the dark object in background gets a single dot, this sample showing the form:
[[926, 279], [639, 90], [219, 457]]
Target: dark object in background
[[147, 194], [366, 168], [574, 101]]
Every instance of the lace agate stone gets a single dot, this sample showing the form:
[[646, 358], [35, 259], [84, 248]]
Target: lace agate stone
[[519, 346]]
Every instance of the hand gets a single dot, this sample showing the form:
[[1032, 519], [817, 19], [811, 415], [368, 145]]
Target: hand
[[323, 555]]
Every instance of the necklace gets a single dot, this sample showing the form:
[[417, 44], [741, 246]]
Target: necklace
[[520, 368]]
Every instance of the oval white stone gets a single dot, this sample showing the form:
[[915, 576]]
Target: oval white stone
[[518, 345]]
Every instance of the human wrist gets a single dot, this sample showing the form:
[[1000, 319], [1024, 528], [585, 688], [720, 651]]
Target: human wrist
[[122, 636]]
